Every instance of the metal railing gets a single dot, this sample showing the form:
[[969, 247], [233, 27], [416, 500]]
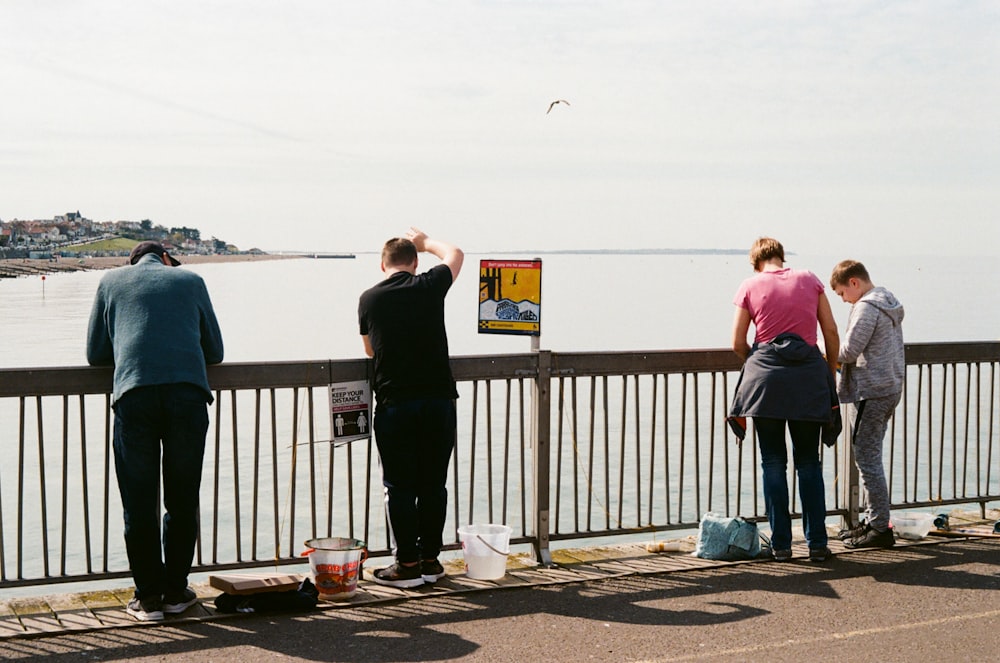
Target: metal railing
[[560, 446]]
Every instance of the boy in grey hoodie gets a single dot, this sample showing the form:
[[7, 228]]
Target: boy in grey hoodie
[[871, 378]]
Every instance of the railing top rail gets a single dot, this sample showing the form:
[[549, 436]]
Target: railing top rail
[[644, 362], [57, 381], [237, 375], [952, 353]]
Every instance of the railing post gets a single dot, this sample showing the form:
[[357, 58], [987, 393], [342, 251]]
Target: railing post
[[851, 485], [541, 417]]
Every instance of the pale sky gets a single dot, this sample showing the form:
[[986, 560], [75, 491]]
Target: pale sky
[[852, 128]]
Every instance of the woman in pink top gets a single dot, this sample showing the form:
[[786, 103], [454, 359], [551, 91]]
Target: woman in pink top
[[786, 383]]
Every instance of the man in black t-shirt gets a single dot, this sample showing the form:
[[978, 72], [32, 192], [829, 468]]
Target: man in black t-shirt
[[401, 321]]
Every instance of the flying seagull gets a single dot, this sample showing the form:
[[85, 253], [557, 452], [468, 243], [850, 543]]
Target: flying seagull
[[557, 101]]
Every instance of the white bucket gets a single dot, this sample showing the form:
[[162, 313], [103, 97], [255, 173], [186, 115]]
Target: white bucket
[[912, 525], [336, 565], [485, 548]]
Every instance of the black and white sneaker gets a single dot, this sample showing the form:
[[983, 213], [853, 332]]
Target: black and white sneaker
[[148, 610], [782, 555], [174, 603], [431, 570], [872, 538], [819, 554], [852, 532], [400, 576]]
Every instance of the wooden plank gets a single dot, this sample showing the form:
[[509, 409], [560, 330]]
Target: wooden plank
[[36, 616], [464, 583], [73, 613], [360, 598], [109, 607], [600, 554], [980, 532], [529, 576], [10, 625], [560, 575], [385, 592], [590, 571], [613, 567]]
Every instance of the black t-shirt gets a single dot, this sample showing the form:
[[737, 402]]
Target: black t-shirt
[[403, 317]]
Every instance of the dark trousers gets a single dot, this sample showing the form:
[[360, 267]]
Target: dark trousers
[[415, 440], [809, 469], [172, 419]]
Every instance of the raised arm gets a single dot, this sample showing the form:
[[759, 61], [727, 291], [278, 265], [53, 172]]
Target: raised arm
[[449, 254]]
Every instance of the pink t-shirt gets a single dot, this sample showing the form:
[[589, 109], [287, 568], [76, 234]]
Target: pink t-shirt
[[781, 301]]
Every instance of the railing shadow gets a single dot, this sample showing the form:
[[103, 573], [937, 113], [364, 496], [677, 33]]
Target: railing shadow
[[613, 619]]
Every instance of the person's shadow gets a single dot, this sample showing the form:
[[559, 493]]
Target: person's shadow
[[418, 629]]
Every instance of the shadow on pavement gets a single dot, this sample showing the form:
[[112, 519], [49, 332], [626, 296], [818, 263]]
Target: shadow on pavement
[[447, 626]]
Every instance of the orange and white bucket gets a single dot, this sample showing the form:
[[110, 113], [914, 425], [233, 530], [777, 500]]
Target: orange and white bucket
[[335, 563]]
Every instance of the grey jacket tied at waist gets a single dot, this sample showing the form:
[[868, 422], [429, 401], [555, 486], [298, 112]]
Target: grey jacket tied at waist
[[787, 379]]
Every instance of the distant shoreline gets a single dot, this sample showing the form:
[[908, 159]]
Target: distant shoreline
[[641, 252], [14, 267]]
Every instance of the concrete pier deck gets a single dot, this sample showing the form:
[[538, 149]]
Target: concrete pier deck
[[929, 600]]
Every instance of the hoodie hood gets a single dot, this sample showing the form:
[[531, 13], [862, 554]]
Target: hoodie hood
[[886, 302]]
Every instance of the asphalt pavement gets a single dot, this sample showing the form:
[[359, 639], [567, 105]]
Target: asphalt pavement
[[933, 602]]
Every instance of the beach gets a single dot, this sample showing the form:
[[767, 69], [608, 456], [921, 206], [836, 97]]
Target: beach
[[15, 267]]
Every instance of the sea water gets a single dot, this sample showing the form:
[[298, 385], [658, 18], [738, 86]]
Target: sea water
[[306, 309]]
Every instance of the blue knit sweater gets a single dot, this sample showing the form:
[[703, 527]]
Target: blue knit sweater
[[156, 325]]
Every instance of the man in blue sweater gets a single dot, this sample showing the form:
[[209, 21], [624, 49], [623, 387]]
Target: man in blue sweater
[[156, 326]]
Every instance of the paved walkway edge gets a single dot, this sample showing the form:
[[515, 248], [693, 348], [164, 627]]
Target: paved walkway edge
[[48, 616]]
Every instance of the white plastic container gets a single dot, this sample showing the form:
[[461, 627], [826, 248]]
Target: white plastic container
[[485, 548], [912, 526]]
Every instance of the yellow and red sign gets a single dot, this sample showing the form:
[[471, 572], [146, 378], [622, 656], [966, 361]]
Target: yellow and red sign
[[510, 297]]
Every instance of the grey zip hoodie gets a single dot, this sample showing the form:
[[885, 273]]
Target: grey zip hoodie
[[871, 353]]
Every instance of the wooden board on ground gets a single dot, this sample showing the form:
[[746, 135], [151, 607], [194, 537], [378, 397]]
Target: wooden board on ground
[[255, 583], [9, 623], [982, 530], [35, 614], [73, 613]]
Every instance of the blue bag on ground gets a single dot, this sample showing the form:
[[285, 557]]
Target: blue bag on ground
[[724, 538]]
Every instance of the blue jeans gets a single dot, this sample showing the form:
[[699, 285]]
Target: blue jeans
[[415, 440], [774, 463], [172, 418]]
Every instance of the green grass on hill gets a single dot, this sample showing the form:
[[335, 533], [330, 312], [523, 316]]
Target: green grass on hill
[[117, 244]]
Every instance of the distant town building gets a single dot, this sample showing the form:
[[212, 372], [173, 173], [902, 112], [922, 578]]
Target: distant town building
[[64, 231]]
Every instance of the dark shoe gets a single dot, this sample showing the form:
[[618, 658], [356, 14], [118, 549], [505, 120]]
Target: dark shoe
[[175, 603], [149, 610], [852, 532], [819, 554], [400, 576], [872, 538], [431, 570], [781, 555]]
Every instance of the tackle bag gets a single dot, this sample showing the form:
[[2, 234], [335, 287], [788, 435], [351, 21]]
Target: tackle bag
[[728, 539]]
